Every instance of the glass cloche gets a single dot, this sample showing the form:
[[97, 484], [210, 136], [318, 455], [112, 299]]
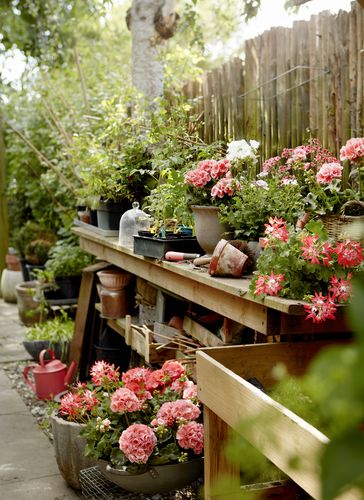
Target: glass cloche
[[131, 222]]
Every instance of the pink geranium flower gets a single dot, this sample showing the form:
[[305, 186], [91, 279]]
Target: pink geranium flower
[[137, 442], [310, 250], [220, 168], [340, 288], [78, 406], [276, 229], [269, 284], [328, 172], [190, 390], [176, 411], [156, 380], [353, 149], [225, 186], [190, 436], [270, 163], [102, 373], [321, 308], [197, 178], [173, 370], [135, 379], [124, 400], [349, 253]]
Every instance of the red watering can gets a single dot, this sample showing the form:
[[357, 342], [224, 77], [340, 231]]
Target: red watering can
[[51, 377]]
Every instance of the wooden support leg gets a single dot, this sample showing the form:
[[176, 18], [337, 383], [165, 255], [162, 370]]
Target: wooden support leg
[[85, 317], [217, 465]]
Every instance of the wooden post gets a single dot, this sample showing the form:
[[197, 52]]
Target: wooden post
[[216, 465], [82, 340], [3, 204]]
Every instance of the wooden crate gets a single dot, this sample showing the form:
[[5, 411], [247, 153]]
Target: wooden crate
[[229, 398], [141, 340]]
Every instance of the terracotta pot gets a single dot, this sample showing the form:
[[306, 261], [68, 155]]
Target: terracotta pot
[[12, 262], [114, 279], [227, 260], [114, 303], [208, 228]]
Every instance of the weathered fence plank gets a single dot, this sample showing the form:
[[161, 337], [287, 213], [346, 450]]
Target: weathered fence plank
[[291, 83]]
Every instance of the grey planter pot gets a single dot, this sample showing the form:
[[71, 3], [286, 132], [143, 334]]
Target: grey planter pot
[[69, 450], [157, 479]]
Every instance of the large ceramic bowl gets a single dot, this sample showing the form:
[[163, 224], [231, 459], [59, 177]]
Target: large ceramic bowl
[[157, 479], [114, 279]]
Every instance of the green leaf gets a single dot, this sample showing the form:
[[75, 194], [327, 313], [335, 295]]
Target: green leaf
[[343, 464]]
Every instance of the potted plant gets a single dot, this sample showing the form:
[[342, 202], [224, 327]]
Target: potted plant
[[212, 184], [145, 421], [249, 209], [55, 334], [33, 242], [304, 264], [65, 264], [319, 176], [115, 162]]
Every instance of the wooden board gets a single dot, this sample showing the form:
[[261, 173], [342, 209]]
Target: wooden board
[[200, 333]]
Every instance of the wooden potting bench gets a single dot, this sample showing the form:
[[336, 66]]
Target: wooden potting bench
[[277, 320]]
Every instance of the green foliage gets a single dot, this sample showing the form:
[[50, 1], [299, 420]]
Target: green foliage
[[250, 208], [176, 148], [31, 234], [59, 329], [66, 259], [44, 29]]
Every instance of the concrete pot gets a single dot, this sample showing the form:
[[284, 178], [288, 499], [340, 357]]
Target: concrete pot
[[208, 228], [69, 450], [9, 280], [30, 310]]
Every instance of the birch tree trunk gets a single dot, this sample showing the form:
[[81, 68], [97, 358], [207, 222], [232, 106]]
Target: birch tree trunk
[[151, 22]]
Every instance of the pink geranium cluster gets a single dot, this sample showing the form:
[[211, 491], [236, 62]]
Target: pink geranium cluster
[[137, 442], [319, 174], [78, 404], [303, 264], [353, 150], [212, 179], [138, 419], [176, 411], [292, 160]]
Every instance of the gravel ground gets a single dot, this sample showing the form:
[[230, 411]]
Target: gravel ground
[[96, 488]]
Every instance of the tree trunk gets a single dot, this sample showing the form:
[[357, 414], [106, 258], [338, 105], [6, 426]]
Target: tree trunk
[[151, 22], [3, 204]]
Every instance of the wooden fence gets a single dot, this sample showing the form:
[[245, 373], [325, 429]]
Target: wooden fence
[[293, 82]]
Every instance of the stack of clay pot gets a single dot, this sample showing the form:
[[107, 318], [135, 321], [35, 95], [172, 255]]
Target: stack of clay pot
[[113, 292]]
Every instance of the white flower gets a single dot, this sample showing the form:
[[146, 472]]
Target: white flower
[[254, 144], [260, 184], [262, 174], [289, 182], [240, 150]]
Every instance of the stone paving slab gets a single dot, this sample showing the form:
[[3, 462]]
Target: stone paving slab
[[28, 468], [11, 334], [48, 488]]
